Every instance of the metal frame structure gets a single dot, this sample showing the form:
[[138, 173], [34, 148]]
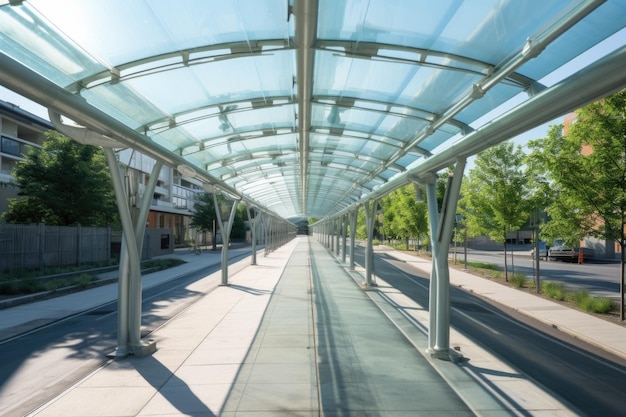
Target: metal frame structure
[[308, 108]]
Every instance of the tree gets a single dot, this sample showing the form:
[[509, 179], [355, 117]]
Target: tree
[[495, 195], [203, 212], [204, 216], [65, 183], [239, 226], [404, 216], [587, 167]]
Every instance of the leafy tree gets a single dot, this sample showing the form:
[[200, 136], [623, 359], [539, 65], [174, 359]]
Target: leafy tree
[[495, 197], [239, 226], [204, 215], [65, 183], [361, 229], [587, 169], [565, 216], [404, 216]]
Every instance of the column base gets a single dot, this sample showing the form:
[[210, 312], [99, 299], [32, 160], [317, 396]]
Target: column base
[[371, 286], [144, 348], [445, 354], [120, 352]]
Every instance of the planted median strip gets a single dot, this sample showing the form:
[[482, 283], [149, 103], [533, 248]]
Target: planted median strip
[[31, 282], [550, 289]]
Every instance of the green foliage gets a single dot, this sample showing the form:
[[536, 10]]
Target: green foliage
[[495, 195], [585, 171], [601, 305], [204, 212], [204, 215], [483, 265], [404, 217], [361, 230], [585, 302], [28, 282], [83, 280], [553, 290], [54, 284], [65, 183], [163, 263], [10, 288], [239, 226], [518, 280]]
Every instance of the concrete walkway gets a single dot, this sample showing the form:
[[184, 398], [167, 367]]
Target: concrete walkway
[[295, 335]]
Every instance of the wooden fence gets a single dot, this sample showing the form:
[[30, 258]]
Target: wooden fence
[[38, 246]]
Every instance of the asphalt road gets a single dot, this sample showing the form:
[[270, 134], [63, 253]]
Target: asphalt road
[[587, 377]]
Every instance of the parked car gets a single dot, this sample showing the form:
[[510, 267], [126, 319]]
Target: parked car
[[543, 253], [564, 253]]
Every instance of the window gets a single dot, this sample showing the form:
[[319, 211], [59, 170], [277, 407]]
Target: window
[[11, 147]]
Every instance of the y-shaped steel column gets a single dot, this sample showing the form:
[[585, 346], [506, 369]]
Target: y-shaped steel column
[[353, 214], [439, 309], [129, 286], [371, 207], [253, 216], [225, 233]]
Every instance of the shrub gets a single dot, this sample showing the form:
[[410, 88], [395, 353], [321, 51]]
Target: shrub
[[585, 302], [553, 290], [601, 305], [30, 286], [517, 280], [578, 297], [496, 274], [55, 284], [483, 265], [9, 288], [83, 280], [162, 263]]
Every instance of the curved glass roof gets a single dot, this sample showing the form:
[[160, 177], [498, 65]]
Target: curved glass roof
[[301, 107]]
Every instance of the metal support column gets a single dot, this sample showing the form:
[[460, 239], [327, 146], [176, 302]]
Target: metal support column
[[253, 216], [344, 237], [433, 216], [447, 217], [225, 232], [353, 215], [129, 287], [337, 235], [371, 208]]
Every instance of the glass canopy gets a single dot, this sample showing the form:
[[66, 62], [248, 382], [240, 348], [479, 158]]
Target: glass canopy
[[301, 107]]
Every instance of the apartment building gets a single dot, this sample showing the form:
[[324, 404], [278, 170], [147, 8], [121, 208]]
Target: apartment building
[[19, 130], [172, 200], [173, 197]]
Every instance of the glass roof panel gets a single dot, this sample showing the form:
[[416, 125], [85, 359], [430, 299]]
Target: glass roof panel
[[158, 26], [228, 87], [231, 80], [29, 39], [412, 85], [236, 123], [598, 25], [123, 104]]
